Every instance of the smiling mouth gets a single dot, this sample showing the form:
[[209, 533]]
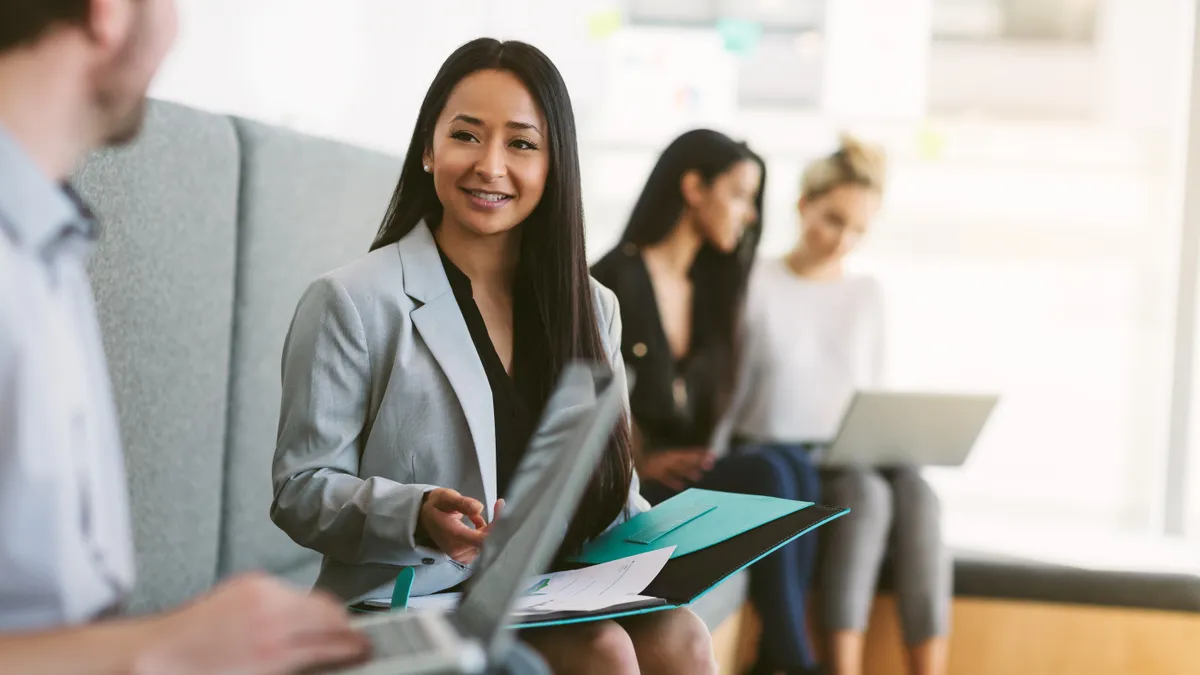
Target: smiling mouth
[[486, 199]]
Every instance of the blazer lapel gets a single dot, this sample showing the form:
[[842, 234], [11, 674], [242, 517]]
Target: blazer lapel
[[444, 331]]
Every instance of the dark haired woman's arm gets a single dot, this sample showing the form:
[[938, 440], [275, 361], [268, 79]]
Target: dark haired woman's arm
[[320, 501]]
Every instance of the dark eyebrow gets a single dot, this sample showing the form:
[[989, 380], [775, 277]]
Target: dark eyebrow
[[468, 119], [523, 126], [475, 121]]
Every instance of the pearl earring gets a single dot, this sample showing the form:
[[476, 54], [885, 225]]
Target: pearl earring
[[427, 170]]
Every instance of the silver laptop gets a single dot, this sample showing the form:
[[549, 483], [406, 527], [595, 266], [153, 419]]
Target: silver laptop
[[892, 428], [545, 492]]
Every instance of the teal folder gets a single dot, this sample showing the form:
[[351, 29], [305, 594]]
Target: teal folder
[[689, 521], [715, 535]]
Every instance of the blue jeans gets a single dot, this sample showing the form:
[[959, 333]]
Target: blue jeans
[[779, 583]]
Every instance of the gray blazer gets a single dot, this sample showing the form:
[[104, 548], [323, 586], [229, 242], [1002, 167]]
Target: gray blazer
[[385, 399]]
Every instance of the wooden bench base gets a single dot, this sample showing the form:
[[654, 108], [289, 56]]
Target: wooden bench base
[[1000, 637]]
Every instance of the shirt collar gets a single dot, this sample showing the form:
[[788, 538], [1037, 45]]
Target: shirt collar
[[33, 209]]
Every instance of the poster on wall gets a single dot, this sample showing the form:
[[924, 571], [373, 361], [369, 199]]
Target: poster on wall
[[661, 81]]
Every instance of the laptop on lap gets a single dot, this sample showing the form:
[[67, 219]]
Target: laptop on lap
[[897, 428]]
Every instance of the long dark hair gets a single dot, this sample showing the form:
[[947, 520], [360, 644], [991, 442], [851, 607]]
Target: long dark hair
[[553, 260], [719, 279]]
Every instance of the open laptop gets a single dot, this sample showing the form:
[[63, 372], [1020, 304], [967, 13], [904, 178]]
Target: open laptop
[[891, 428], [545, 492]]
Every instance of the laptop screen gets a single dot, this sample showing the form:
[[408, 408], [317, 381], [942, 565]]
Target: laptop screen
[[544, 493]]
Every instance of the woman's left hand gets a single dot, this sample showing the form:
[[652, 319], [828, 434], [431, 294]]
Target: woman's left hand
[[676, 468]]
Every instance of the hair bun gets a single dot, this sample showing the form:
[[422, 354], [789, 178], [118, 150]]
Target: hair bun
[[862, 158], [854, 163]]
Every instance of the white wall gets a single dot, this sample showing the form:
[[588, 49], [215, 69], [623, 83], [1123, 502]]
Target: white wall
[[355, 70]]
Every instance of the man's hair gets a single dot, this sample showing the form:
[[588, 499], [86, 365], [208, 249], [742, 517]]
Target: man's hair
[[23, 22]]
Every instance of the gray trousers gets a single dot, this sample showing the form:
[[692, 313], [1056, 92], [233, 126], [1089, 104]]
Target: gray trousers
[[894, 514]]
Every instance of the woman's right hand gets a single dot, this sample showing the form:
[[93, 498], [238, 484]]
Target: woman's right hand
[[676, 469], [441, 520]]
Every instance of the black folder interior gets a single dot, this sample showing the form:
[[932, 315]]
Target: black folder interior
[[685, 578]]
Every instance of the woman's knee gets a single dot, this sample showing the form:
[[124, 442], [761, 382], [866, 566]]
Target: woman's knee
[[914, 497], [675, 641], [609, 646], [693, 648], [695, 645], [586, 649], [865, 492], [759, 473]]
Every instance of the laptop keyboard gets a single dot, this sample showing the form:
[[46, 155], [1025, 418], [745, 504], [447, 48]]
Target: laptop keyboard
[[400, 638]]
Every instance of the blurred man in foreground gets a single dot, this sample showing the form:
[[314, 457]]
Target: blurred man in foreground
[[74, 76]]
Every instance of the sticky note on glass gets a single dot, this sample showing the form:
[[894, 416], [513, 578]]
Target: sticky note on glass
[[931, 143], [603, 23], [740, 36]]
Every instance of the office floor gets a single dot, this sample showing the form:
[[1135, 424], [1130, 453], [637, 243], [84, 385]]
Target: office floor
[[1001, 637]]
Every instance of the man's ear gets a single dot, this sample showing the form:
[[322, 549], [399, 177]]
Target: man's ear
[[109, 23]]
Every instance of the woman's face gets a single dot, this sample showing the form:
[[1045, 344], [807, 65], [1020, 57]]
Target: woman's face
[[488, 156], [724, 208], [832, 224]]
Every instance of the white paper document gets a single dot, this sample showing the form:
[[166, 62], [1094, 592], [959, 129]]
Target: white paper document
[[584, 590], [595, 587]]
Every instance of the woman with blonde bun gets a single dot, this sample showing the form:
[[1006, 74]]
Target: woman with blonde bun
[[812, 335]]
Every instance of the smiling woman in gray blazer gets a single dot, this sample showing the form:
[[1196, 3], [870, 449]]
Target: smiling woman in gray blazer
[[414, 376], [385, 399]]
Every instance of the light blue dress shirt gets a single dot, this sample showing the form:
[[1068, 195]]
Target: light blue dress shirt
[[65, 546]]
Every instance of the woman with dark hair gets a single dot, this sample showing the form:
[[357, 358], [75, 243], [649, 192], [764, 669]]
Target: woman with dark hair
[[680, 273], [414, 376]]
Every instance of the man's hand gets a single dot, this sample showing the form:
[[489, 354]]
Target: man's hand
[[252, 625]]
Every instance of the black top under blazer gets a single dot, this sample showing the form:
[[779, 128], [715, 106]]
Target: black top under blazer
[[672, 402]]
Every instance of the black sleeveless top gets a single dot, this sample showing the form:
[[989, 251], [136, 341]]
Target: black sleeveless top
[[672, 402]]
